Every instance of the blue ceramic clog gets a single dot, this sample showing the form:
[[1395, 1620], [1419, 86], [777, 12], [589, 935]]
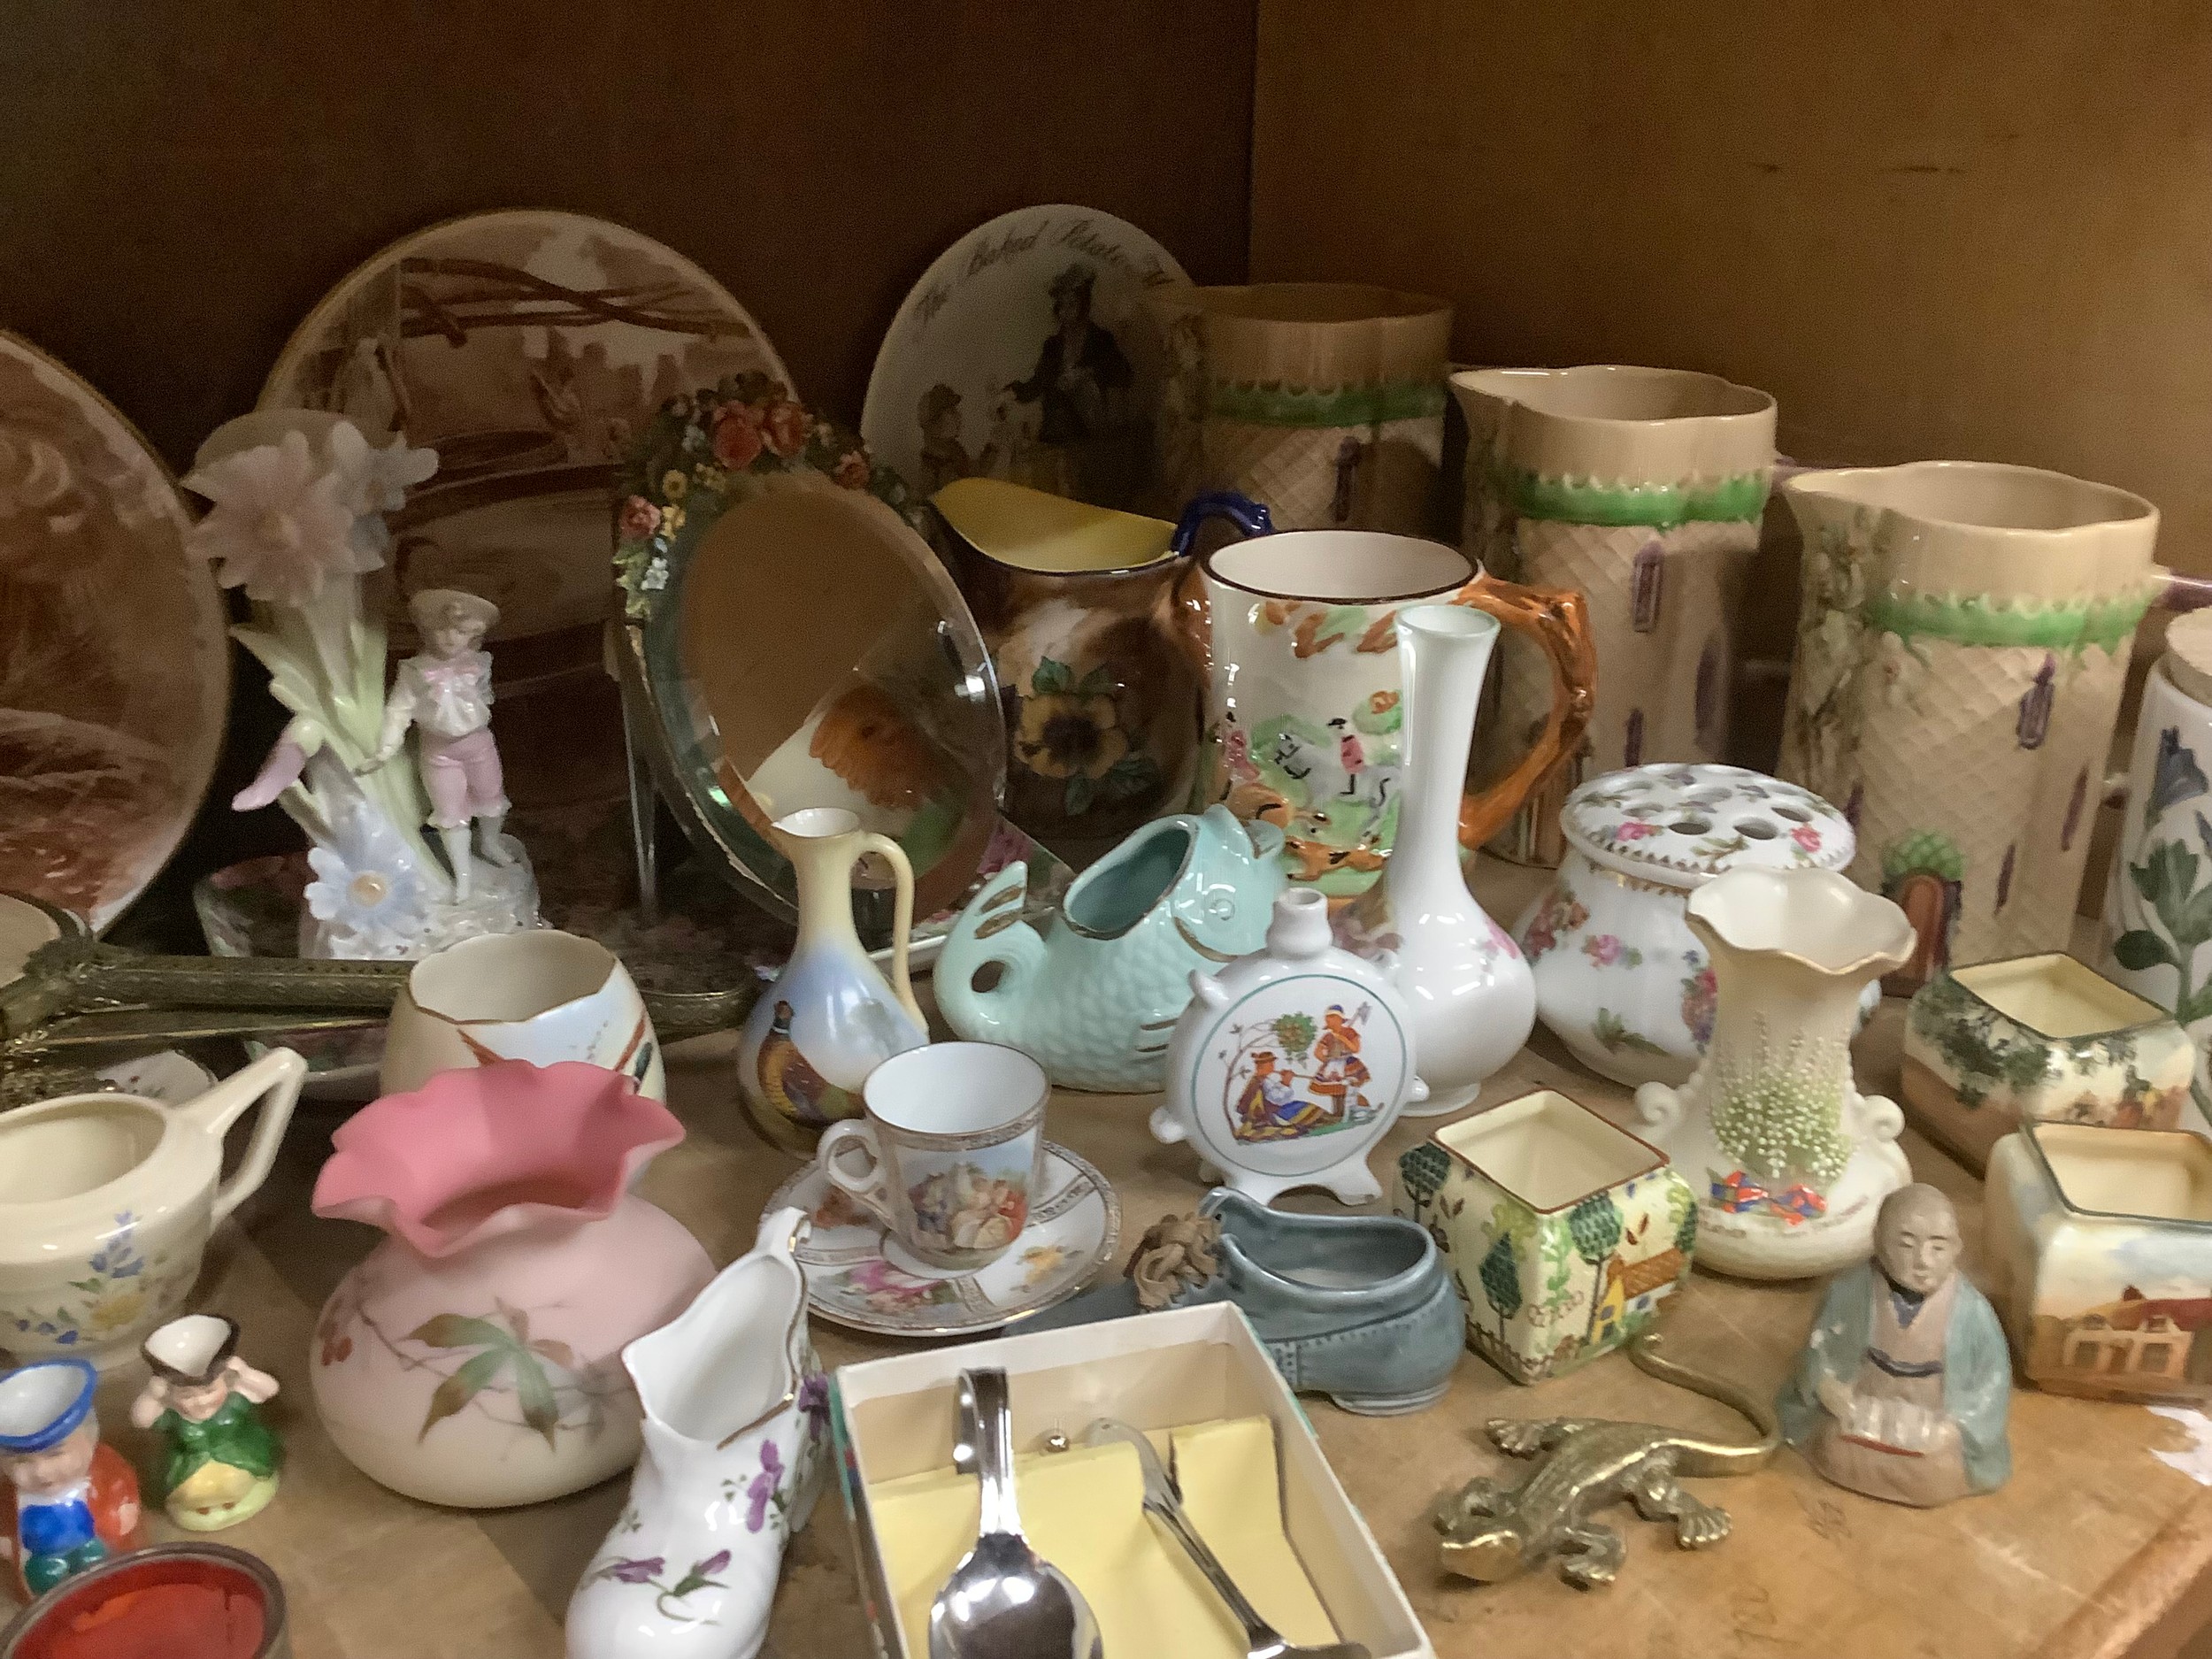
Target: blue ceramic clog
[[1358, 1307]]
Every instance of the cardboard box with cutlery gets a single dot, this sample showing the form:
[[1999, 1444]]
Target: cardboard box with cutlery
[[1197, 1382]]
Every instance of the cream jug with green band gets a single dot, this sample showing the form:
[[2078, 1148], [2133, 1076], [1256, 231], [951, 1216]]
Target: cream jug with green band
[[1962, 650], [1642, 489], [1323, 400]]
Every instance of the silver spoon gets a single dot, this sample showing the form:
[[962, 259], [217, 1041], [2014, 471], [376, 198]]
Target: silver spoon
[[1165, 1500], [1003, 1601]]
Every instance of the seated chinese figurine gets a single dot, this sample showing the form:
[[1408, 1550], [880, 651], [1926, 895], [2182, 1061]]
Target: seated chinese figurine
[[445, 692], [223, 1461], [73, 1502], [1903, 1387]]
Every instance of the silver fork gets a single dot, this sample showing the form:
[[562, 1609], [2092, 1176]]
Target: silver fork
[[1164, 1499]]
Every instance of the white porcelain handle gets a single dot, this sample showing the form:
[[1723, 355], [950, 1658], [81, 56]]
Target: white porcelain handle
[[1880, 1117], [871, 1190], [1659, 1107], [274, 1080], [901, 921]]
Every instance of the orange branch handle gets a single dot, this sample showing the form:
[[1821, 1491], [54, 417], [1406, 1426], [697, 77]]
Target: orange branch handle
[[1559, 620]]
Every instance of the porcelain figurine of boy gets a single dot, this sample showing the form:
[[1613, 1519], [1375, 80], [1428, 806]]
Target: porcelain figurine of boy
[[74, 1502], [1902, 1389], [203, 1399], [445, 691]]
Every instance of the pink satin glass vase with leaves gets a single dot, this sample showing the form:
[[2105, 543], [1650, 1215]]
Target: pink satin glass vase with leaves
[[473, 1357]]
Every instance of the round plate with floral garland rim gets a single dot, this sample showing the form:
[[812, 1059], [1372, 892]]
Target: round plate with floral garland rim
[[114, 665], [791, 641], [1025, 352], [1071, 1233]]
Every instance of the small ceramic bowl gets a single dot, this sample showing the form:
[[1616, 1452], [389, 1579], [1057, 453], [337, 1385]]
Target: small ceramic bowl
[[1562, 1231], [2099, 1252], [2038, 1038]]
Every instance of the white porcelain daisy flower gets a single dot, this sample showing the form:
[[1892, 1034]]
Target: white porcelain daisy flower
[[373, 483], [367, 902]]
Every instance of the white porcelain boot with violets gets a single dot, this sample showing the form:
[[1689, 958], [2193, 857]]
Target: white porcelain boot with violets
[[736, 1443]]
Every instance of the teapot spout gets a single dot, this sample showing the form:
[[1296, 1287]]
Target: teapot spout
[[1484, 396]]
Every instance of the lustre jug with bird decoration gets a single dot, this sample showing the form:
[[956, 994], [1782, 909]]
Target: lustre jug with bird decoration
[[831, 1018]]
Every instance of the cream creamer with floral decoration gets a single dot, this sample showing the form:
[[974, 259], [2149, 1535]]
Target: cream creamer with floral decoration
[[1620, 978], [106, 1202]]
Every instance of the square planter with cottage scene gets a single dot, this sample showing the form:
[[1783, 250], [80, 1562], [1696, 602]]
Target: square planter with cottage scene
[[2099, 1257], [1564, 1232]]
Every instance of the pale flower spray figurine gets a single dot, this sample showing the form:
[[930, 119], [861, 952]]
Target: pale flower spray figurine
[[1903, 1388], [298, 522]]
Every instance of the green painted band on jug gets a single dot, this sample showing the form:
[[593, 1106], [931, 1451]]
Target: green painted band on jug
[[1276, 405], [1979, 620], [1738, 499]]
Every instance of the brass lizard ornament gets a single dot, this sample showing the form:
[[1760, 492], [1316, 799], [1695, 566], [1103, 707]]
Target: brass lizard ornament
[[1490, 1532]]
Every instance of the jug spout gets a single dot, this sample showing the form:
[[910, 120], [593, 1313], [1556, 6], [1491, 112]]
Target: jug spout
[[1826, 500], [1482, 396], [1957, 506]]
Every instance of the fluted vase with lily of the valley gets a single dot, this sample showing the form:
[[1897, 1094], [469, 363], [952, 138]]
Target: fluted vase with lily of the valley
[[1788, 1160]]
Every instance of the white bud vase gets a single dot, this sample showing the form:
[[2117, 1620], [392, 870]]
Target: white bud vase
[[1788, 1160], [1286, 1069], [1471, 997]]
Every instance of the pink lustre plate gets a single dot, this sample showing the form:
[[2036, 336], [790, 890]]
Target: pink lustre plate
[[114, 665], [850, 1280]]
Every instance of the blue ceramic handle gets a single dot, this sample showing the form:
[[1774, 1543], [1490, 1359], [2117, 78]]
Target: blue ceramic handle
[[1250, 516]]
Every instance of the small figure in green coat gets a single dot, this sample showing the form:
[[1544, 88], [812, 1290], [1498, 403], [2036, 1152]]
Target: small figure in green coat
[[223, 1461], [1905, 1382]]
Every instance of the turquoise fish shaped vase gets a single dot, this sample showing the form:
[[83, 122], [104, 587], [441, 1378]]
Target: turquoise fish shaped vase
[[1094, 999]]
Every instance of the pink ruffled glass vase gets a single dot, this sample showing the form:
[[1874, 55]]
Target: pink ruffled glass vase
[[474, 1358]]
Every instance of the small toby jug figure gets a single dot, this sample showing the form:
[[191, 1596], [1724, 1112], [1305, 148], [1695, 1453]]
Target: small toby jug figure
[[76, 1500], [446, 690], [1903, 1387], [203, 1399]]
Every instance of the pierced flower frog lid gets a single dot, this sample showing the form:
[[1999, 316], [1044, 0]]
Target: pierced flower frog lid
[[1682, 825]]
